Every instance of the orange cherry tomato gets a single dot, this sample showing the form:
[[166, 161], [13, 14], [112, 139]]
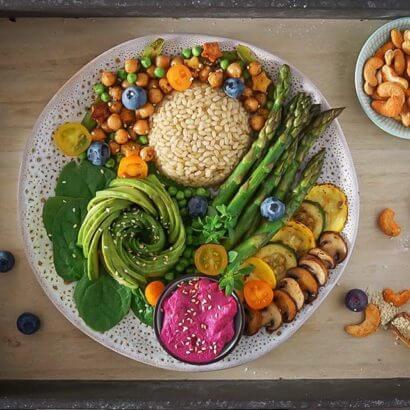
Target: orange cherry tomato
[[179, 77], [132, 166], [211, 259], [258, 294], [153, 291]]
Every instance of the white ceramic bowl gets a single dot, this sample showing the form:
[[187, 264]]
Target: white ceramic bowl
[[376, 40]]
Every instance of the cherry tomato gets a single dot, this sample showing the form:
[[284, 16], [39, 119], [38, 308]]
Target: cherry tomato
[[72, 138], [261, 271], [179, 77], [258, 294], [153, 291], [132, 166], [211, 259]]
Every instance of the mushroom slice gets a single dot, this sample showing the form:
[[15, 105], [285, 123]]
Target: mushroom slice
[[323, 256], [253, 321], [306, 281], [315, 266], [334, 244], [271, 318], [285, 304], [292, 288]]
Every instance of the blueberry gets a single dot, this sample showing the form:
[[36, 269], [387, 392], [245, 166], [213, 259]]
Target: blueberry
[[98, 153], [28, 323], [234, 87], [356, 300], [6, 261], [272, 209], [197, 206], [134, 97]]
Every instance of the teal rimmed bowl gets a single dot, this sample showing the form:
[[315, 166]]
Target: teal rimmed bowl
[[377, 39]]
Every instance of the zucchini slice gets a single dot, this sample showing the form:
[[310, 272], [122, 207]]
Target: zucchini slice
[[334, 203], [296, 235], [313, 216], [279, 257]]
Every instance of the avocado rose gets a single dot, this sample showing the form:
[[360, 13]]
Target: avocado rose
[[135, 228]]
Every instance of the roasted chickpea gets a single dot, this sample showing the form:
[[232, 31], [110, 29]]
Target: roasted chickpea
[[234, 70], [147, 153], [114, 147], [261, 97], [125, 84], [108, 78], [254, 68], [121, 136], [98, 134], [204, 73], [115, 92], [145, 111], [142, 80], [164, 86], [127, 116], [256, 122], [130, 148], [264, 112], [215, 79], [153, 83], [251, 104], [177, 60], [162, 61], [155, 96], [114, 122], [106, 128], [131, 65], [115, 106], [247, 92], [150, 71], [141, 127]]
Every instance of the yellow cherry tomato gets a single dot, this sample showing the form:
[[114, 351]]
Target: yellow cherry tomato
[[72, 138], [211, 259], [132, 166], [262, 271]]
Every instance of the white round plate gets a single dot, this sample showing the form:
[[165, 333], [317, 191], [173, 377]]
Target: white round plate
[[42, 163]]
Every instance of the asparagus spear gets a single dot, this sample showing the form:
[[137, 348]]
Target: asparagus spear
[[229, 187], [316, 128], [297, 119], [265, 232]]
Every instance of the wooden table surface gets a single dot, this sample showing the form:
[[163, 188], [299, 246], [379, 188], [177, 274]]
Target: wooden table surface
[[38, 56]]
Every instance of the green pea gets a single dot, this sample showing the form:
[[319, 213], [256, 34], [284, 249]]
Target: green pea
[[105, 97], [169, 276], [186, 53], [202, 192], [110, 163], [269, 105], [182, 203], [159, 72], [183, 212], [187, 252], [179, 195], [185, 261], [188, 193], [143, 139], [122, 74], [246, 75], [196, 51], [99, 88], [83, 156], [172, 190], [179, 267], [131, 78], [224, 63], [189, 240], [146, 62]]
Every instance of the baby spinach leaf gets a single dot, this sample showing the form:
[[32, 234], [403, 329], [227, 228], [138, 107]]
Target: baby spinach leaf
[[141, 308], [101, 303]]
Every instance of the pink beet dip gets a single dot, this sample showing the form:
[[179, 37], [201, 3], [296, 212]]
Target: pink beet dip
[[198, 321]]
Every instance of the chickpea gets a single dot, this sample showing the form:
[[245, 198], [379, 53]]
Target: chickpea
[[127, 116], [154, 83], [141, 127], [145, 111], [147, 153], [204, 74], [114, 147], [155, 96], [162, 61], [256, 122], [164, 86], [234, 70], [131, 65], [251, 104], [150, 71], [106, 128], [125, 84], [142, 80], [264, 112], [215, 79], [121, 136], [98, 134], [115, 92], [254, 68], [177, 60], [261, 97], [114, 122], [115, 106], [247, 92], [130, 148], [108, 78]]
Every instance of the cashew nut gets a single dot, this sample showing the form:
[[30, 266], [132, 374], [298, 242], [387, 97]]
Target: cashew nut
[[408, 66], [396, 37], [399, 63], [390, 75], [382, 50], [388, 57], [368, 89], [405, 118], [379, 76], [391, 107], [369, 70], [406, 46], [387, 224]]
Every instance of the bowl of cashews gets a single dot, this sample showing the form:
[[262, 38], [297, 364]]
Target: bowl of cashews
[[382, 77]]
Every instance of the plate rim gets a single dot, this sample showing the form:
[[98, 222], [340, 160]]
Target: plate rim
[[22, 207]]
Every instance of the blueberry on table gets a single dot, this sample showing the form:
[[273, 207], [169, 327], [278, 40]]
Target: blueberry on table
[[272, 209], [98, 153], [197, 206], [233, 87], [28, 323], [134, 97], [356, 300], [6, 261]]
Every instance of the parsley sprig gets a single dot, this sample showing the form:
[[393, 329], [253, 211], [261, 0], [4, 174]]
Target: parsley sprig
[[233, 276]]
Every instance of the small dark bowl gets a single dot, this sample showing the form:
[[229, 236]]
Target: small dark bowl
[[239, 320]]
